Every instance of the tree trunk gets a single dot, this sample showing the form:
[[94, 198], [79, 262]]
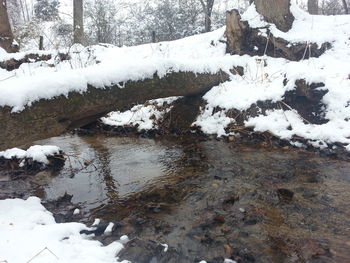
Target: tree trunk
[[6, 36], [346, 9], [47, 118], [207, 7], [78, 23], [277, 12], [312, 7]]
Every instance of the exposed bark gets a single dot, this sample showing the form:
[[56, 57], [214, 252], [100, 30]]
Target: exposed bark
[[6, 36], [345, 5], [277, 12], [312, 7], [305, 99], [241, 39], [47, 118], [78, 21]]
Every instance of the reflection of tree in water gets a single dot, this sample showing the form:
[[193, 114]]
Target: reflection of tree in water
[[180, 161], [103, 156]]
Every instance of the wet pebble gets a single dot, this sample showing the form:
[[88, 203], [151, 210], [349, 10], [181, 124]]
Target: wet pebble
[[285, 194]]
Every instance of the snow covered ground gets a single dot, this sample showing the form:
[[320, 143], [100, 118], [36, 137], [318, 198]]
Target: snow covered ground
[[29, 233]]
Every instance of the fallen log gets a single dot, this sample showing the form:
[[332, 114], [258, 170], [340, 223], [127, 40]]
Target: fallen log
[[47, 118]]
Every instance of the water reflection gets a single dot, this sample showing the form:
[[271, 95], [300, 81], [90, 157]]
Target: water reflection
[[118, 168]]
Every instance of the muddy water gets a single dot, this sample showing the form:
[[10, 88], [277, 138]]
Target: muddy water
[[207, 200]]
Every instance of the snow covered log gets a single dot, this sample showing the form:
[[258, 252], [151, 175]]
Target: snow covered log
[[47, 118]]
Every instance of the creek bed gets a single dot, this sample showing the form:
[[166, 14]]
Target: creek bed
[[206, 199]]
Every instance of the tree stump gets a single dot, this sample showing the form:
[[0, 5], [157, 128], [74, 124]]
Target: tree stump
[[276, 12], [242, 39]]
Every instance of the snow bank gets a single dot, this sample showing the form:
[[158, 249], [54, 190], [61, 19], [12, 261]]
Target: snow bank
[[268, 78], [144, 117], [29, 233], [286, 124], [37, 152]]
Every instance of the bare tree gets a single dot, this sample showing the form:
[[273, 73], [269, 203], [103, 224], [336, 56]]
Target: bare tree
[[207, 6], [346, 9], [312, 7], [78, 21], [6, 36]]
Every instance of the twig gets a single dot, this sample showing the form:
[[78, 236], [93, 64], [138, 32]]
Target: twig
[[267, 43], [42, 252], [77, 158], [307, 45], [289, 107], [4, 80]]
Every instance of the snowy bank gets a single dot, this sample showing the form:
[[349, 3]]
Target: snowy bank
[[37, 153], [29, 233], [272, 80]]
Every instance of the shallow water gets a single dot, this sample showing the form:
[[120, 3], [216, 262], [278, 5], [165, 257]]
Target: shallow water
[[208, 200]]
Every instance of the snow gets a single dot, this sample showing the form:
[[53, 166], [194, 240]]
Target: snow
[[143, 117], [285, 124], [96, 222], [35, 81], [28, 226], [213, 123], [262, 83], [166, 247], [109, 228], [265, 78], [29, 233], [76, 211], [38, 153], [124, 239]]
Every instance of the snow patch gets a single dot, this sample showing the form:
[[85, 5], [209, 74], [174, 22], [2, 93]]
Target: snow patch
[[144, 117], [38, 153], [29, 233]]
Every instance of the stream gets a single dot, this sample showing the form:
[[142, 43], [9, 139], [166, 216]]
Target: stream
[[206, 199]]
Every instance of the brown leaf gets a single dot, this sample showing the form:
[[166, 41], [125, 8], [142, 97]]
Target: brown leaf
[[228, 250]]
